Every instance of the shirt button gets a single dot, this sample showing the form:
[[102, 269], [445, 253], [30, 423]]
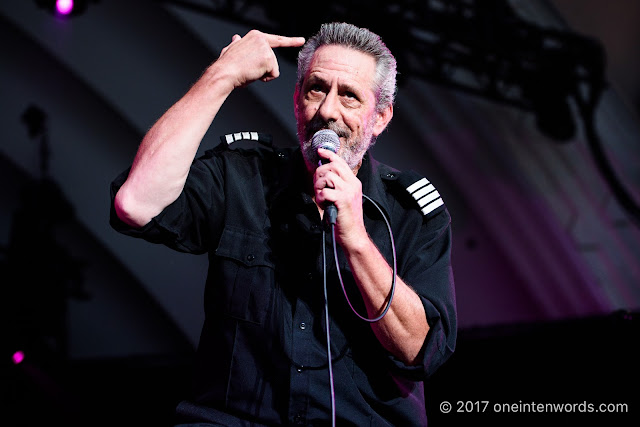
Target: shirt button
[[303, 326], [251, 257], [299, 369], [298, 419]]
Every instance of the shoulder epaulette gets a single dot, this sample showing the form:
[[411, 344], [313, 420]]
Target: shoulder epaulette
[[230, 138], [422, 192]]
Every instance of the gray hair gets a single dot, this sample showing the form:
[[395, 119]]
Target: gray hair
[[360, 39]]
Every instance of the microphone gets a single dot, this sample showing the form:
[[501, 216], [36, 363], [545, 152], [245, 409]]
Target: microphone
[[329, 140]]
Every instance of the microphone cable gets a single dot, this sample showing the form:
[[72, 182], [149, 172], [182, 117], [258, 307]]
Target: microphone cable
[[326, 302], [328, 333], [393, 280]]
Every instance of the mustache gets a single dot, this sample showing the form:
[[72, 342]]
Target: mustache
[[317, 124]]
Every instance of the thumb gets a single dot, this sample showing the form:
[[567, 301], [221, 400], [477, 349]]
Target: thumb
[[234, 39]]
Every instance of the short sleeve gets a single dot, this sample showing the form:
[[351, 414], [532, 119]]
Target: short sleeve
[[192, 222]]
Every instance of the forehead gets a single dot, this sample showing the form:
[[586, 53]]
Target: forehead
[[347, 65]]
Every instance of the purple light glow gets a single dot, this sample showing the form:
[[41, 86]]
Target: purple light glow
[[64, 7], [18, 357]]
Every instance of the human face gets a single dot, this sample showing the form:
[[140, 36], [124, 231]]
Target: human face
[[337, 94]]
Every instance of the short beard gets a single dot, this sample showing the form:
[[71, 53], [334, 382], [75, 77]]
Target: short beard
[[352, 153]]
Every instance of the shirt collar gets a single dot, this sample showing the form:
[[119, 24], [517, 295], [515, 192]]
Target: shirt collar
[[375, 177]]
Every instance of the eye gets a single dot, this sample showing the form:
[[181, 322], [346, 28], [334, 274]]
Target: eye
[[315, 91], [350, 99]]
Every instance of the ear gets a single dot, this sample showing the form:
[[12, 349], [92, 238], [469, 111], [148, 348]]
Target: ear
[[382, 120]]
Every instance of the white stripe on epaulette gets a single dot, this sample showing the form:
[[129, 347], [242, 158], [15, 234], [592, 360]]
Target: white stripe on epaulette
[[426, 195], [233, 137]]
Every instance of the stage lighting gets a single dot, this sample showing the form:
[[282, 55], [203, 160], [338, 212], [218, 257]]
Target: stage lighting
[[64, 8], [17, 357]]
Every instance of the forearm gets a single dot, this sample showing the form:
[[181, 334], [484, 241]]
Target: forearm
[[161, 166], [404, 327], [162, 163]]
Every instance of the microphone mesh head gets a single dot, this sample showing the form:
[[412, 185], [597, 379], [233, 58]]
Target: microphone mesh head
[[327, 139]]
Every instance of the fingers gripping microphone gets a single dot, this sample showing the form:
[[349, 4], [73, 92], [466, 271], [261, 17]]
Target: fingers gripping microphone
[[329, 140]]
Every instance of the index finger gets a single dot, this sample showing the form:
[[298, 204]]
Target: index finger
[[335, 160], [282, 41], [328, 154]]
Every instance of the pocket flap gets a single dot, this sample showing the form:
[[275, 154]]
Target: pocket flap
[[247, 247]]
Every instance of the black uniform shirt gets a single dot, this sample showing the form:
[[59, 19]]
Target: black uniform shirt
[[262, 355]]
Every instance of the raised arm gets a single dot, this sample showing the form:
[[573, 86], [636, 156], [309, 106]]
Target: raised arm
[[160, 168]]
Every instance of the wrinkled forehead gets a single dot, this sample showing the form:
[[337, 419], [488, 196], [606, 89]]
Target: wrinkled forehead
[[349, 65]]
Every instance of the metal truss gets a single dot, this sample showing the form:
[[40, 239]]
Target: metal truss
[[481, 47]]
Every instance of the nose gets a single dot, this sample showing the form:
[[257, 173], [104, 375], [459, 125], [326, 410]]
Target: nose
[[329, 108]]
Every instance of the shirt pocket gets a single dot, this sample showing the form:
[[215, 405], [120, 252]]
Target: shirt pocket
[[249, 276]]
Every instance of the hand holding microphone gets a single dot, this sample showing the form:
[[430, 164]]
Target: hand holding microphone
[[329, 140]]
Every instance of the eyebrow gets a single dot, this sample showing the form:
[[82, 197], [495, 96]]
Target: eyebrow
[[343, 87], [315, 79]]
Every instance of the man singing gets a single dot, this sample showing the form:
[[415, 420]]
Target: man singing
[[273, 350]]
